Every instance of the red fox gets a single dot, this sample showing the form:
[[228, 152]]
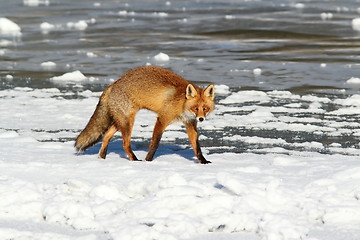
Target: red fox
[[153, 88]]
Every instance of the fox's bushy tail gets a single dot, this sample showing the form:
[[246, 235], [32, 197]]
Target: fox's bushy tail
[[97, 125]]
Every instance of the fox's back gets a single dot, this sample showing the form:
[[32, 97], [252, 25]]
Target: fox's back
[[149, 87]]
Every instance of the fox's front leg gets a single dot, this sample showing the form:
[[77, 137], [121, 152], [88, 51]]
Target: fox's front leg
[[155, 141], [193, 137]]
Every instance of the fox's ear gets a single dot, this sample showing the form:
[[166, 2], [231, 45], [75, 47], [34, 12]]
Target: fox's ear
[[190, 91], [210, 92]]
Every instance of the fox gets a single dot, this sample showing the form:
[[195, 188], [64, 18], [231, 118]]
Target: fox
[[154, 88]]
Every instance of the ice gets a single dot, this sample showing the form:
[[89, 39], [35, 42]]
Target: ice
[[9, 77], [299, 5], [36, 3], [91, 54], [229, 17], [246, 96], [160, 14], [126, 13], [46, 27], [353, 80], [70, 76], [161, 57], [257, 71], [326, 16], [8, 27], [355, 23], [48, 65], [222, 89], [80, 25]]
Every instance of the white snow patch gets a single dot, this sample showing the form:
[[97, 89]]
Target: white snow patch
[[91, 54], [71, 76], [257, 71], [36, 3], [160, 14], [9, 77], [46, 27], [326, 16], [80, 25], [222, 89], [8, 27], [126, 13], [6, 43], [161, 57], [353, 80], [246, 96], [299, 5], [48, 64], [229, 17], [355, 23]]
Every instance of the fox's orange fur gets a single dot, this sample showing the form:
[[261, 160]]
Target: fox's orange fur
[[153, 88]]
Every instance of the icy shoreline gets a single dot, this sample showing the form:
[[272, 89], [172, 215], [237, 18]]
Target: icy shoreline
[[50, 192]]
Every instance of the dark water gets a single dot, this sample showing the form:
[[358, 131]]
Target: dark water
[[286, 40], [297, 47]]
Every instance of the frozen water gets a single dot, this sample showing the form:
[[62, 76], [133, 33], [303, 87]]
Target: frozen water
[[161, 57], [8, 27]]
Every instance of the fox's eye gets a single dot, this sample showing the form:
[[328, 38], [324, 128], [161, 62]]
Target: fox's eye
[[195, 108], [206, 109]]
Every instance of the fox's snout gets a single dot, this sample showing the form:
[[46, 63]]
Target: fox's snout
[[200, 119]]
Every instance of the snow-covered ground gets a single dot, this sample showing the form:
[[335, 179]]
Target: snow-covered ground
[[291, 192]]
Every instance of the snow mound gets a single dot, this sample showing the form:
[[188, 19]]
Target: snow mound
[[222, 89], [80, 25], [160, 14], [161, 57], [46, 27], [36, 3], [257, 71], [76, 76], [355, 23], [353, 80], [48, 64], [8, 27]]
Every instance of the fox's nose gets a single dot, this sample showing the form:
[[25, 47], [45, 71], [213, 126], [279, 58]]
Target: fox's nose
[[201, 119]]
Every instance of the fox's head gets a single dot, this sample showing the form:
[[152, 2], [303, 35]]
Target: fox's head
[[200, 102]]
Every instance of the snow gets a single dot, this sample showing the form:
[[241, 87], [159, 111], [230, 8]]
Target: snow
[[160, 14], [222, 89], [353, 80], [46, 27], [49, 192], [257, 71], [48, 64], [326, 16], [36, 3], [70, 76], [79, 25], [8, 27], [356, 24], [126, 13], [299, 5], [161, 57], [9, 77]]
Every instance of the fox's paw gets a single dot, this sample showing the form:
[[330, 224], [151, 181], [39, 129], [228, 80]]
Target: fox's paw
[[204, 161]]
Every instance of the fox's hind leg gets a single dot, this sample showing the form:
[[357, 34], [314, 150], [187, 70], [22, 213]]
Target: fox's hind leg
[[108, 135], [125, 125]]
